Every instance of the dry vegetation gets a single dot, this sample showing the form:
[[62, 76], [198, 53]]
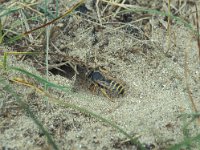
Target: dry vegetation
[[151, 47]]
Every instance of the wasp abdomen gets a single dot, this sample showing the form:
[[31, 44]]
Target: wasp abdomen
[[116, 87]]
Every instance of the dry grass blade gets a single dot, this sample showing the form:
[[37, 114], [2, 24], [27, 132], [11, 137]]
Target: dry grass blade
[[118, 9], [23, 105], [27, 27], [122, 5], [83, 110], [168, 24], [6, 54], [187, 84], [98, 12], [28, 6], [50, 22], [22, 81], [197, 20]]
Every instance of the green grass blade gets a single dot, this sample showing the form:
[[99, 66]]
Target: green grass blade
[[1, 32], [159, 13], [23, 105], [5, 61], [41, 80], [83, 110], [9, 11], [48, 23], [186, 143], [134, 141]]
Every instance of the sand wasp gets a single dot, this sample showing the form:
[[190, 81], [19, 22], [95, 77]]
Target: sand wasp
[[106, 83]]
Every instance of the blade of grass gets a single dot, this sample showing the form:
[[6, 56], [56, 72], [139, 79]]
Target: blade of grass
[[9, 11], [46, 83], [57, 8], [1, 32], [186, 143], [82, 110], [13, 39], [23, 105], [186, 74], [41, 80], [47, 13], [6, 54], [47, 53], [130, 8], [98, 117], [168, 25], [15, 24], [197, 21], [5, 61], [26, 25]]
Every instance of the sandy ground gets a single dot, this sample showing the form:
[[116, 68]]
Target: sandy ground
[[156, 95]]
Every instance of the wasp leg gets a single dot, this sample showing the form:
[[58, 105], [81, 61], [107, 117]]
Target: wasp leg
[[93, 88], [105, 94]]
